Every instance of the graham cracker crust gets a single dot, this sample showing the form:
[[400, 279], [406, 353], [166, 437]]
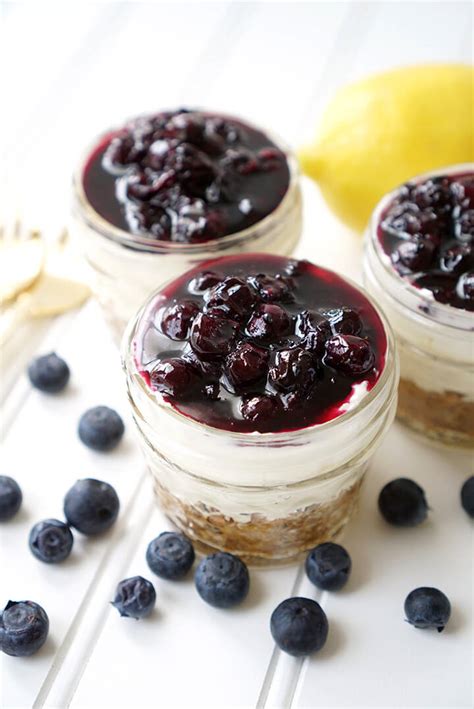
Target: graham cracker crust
[[260, 541], [445, 416]]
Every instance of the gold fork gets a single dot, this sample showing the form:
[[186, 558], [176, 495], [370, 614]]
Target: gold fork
[[48, 294]]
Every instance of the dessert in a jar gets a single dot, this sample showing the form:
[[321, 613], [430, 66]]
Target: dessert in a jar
[[260, 387], [165, 191], [419, 265]]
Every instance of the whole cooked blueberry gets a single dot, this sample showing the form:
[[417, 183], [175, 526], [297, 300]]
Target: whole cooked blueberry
[[427, 608], [457, 257], [170, 555], [260, 408], [299, 626], [246, 364], [467, 496], [91, 506], [174, 377], [328, 566], [203, 281], [349, 354], [293, 370], [403, 503], [222, 580], [51, 541], [134, 597], [344, 321], [24, 627], [176, 320], [212, 336], [48, 373], [465, 286], [101, 428], [10, 497], [231, 297], [272, 288], [268, 322], [416, 255], [314, 329]]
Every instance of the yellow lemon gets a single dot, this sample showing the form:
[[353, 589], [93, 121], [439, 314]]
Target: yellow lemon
[[380, 132]]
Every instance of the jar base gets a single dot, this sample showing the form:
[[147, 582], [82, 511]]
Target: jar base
[[260, 541], [444, 417]]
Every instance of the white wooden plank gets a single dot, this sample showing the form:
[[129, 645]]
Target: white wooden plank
[[384, 662]]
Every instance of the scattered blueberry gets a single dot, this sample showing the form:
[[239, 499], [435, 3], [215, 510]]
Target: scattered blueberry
[[24, 628], [328, 566], [10, 498], [170, 555], [91, 506], [51, 541], [222, 580], [403, 503], [48, 373], [101, 428], [427, 608], [299, 626], [134, 597], [467, 496]]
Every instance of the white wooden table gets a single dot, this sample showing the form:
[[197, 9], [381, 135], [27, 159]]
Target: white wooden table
[[73, 69]]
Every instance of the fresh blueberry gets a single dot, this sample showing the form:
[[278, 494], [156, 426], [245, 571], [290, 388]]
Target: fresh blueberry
[[299, 626], [91, 506], [467, 496], [222, 580], [427, 608], [328, 566], [48, 373], [10, 498], [24, 627], [403, 503], [134, 597], [170, 555], [51, 541], [100, 428]]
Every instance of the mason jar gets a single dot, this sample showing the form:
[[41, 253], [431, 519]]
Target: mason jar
[[267, 497], [126, 267], [435, 343]]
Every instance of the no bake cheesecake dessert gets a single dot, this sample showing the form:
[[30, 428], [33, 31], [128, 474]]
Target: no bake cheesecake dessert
[[260, 386], [419, 264], [166, 190]]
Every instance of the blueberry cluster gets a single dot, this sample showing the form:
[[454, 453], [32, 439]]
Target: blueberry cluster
[[250, 344], [187, 176], [428, 231]]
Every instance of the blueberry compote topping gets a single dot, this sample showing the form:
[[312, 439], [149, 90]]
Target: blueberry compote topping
[[428, 232], [260, 343], [185, 176]]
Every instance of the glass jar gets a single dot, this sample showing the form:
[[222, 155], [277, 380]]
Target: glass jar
[[126, 268], [267, 497], [435, 344]]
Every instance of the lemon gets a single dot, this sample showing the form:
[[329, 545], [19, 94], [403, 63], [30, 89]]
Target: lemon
[[380, 132]]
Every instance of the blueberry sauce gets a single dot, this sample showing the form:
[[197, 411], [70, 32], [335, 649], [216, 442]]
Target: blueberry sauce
[[428, 233], [185, 176], [260, 343]]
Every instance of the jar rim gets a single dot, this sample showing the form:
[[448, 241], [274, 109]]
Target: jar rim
[[388, 375], [138, 243], [417, 300]]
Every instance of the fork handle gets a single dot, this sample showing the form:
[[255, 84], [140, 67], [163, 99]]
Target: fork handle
[[14, 317]]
